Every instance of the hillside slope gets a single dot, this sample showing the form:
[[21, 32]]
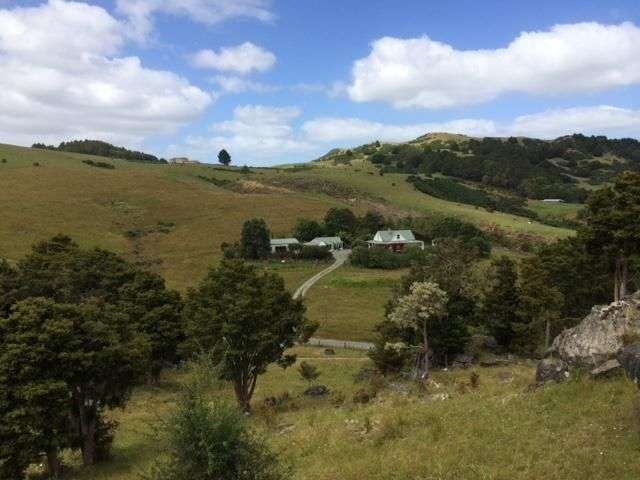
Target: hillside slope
[[174, 218]]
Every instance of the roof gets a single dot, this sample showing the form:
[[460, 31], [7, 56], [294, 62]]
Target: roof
[[391, 236], [319, 240], [284, 241]]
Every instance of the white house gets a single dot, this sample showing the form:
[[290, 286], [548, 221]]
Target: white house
[[395, 240], [332, 243], [553, 200], [283, 244]]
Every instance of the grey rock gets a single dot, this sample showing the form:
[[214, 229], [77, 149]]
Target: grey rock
[[599, 337], [608, 368], [551, 369], [629, 358], [462, 360], [316, 391]]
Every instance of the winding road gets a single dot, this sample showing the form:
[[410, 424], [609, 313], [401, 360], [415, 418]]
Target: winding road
[[340, 256]]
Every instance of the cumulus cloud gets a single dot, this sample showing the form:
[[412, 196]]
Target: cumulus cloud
[[241, 59], [210, 12], [421, 72], [255, 132], [233, 84], [356, 129], [61, 79], [592, 120]]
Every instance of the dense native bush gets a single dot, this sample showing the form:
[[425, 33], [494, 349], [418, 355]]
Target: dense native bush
[[381, 258], [106, 165], [101, 149]]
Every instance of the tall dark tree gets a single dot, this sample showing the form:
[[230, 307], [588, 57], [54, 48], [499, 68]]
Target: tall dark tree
[[540, 306], [339, 220], [255, 240], [8, 287], [371, 222], [65, 364], [247, 320], [223, 157], [157, 312], [501, 303], [306, 230], [613, 226]]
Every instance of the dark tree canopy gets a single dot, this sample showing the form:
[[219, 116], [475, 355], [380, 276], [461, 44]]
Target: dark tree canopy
[[501, 301], [223, 157], [339, 220], [247, 320], [613, 226], [306, 230], [255, 240]]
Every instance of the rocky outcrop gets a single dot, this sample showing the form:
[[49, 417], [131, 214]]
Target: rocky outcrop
[[629, 358], [551, 369], [600, 336]]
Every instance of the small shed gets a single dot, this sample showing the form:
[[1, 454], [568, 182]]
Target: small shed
[[332, 243], [283, 244]]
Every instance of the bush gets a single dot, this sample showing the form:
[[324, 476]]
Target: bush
[[108, 166], [313, 252], [36, 164], [212, 441], [4, 160], [390, 358], [382, 258]]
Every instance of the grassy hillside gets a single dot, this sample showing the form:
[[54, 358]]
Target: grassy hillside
[[165, 217], [500, 431], [172, 220]]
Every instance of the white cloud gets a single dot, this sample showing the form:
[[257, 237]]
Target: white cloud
[[596, 120], [233, 84], [242, 59], [256, 132], [421, 72], [593, 120], [61, 79], [329, 130], [210, 12]]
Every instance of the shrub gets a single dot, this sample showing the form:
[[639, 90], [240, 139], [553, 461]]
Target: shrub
[[36, 164], [308, 372], [212, 440], [314, 252], [4, 160], [108, 166], [382, 258], [390, 358]]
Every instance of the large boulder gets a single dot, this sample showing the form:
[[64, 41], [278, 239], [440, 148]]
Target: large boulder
[[629, 358], [551, 369], [600, 336]]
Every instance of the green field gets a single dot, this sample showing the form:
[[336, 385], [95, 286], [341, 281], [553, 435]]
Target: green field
[[502, 430], [350, 301]]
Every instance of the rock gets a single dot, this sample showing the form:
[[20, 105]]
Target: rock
[[551, 369], [608, 368], [490, 360], [329, 351], [316, 391], [629, 358], [462, 360], [362, 396], [599, 337]]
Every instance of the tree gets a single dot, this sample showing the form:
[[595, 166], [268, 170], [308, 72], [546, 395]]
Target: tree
[[247, 320], [306, 230], [224, 158], [540, 306], [8, 287], [65, 364], [501, 300], [255, 240], [425, 303], [613, 226], [371, 222], [157, 312], [338, 220]]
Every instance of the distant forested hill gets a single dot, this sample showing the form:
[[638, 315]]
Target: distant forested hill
[[562, 168], [101, 149]]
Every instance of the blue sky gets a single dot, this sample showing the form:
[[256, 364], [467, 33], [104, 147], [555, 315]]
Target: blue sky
[[283, 81]]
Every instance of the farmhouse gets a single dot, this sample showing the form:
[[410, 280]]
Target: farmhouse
[[283, 244], [553, 200], [183, 161], [395, 240], [332, 243]]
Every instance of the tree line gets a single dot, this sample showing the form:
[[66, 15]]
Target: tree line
[[101, 149], [447, 295], [80, 328]]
